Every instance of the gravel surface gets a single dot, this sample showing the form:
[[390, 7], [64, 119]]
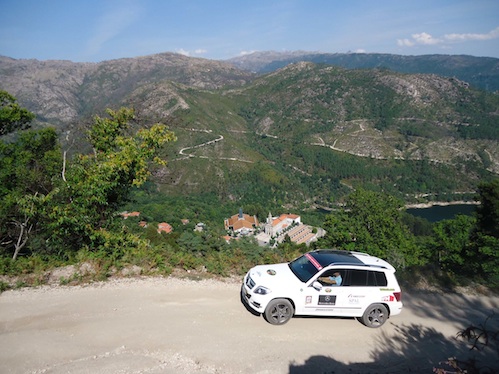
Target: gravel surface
[[172, 325]]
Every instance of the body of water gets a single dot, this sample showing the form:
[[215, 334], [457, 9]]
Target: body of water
[[441, 212]]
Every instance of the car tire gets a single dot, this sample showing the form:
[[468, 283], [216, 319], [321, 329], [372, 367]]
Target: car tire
[[375, 316], [279, 311]]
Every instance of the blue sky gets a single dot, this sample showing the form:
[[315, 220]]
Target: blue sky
[[98, 30]]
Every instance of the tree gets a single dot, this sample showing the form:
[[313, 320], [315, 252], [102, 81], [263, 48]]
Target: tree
[[372, 223], [488, 211], [26, 219], [451, 240], [21, 174], [12, 116], [84, 212], [28, 168], [483, 254]]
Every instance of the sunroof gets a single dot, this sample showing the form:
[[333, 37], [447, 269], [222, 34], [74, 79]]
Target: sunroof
[[328, 257]]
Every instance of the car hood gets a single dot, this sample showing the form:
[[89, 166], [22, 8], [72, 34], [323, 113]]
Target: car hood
[[272, 276]]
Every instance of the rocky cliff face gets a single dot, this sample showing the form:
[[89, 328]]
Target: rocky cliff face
[[62, 91], [48, 88]]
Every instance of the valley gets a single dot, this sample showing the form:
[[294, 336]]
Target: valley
[[309, 129]]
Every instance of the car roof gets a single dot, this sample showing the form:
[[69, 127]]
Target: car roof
[[328, 257]]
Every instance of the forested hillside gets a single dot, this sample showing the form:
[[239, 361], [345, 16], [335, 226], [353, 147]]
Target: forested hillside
[[303, 136], [64, 210]]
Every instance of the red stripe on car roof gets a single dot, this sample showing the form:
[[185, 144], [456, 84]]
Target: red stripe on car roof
[[313, 261]]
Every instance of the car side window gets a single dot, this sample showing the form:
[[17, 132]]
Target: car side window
[[365, 278], [380, 278], [331, 273], [358, 278]]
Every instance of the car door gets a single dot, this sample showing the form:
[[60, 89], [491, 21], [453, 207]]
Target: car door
[[363, 287], [320, 298]]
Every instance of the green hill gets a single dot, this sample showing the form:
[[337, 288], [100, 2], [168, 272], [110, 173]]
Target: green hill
[[300, 137]]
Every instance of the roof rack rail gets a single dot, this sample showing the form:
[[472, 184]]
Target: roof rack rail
[[358, 264]]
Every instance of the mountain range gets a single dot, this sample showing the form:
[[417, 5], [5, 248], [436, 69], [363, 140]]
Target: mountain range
[[295, 128], [481, 72]]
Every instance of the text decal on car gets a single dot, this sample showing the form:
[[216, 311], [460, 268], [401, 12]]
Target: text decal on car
[[327, 299], [313, 261]]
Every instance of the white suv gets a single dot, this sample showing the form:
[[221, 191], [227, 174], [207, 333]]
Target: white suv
[[366, 288]]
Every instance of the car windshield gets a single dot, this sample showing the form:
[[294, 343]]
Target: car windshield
[[304, 267]]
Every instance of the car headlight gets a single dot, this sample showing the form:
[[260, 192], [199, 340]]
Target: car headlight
[[262, 290]]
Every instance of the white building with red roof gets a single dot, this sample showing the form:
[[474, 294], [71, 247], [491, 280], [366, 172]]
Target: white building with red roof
[[276, 229], [275, 225]]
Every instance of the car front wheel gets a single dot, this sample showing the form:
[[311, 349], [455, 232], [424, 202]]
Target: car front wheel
[[375, 316], [279, 311]]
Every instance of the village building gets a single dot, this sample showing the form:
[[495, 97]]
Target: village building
[[275, 226], [241, 224], [125, 215], [199, 226], [229, 238], [276, 229], [164, 227]]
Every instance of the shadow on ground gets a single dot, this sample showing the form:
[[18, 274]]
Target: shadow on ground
[[419, 349], [411, 349]]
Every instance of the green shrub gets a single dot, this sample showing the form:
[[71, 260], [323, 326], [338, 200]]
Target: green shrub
[[4, 286]]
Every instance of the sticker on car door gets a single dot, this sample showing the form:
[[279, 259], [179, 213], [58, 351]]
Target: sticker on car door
[[327, 299]]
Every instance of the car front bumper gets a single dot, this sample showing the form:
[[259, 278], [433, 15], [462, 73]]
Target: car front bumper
[[255, 302]]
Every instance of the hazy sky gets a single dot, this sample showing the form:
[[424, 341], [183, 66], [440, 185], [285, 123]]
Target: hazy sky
[[97, 30]]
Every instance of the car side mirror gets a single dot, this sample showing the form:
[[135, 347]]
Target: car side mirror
[[317, 286]]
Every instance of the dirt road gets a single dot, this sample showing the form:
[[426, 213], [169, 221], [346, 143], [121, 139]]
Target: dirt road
[[170, 325]]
